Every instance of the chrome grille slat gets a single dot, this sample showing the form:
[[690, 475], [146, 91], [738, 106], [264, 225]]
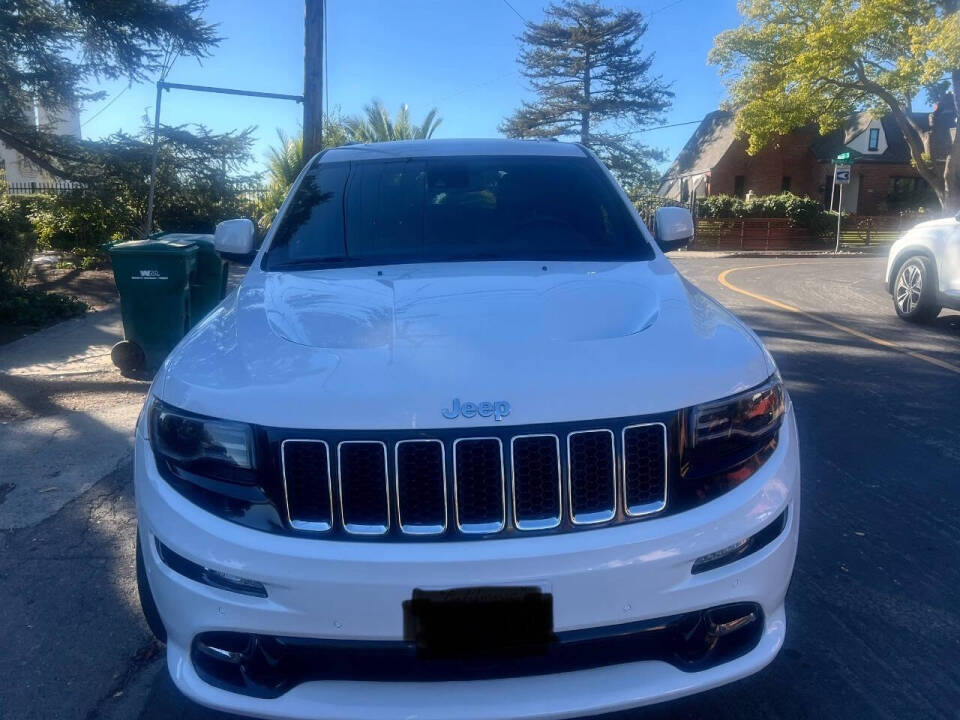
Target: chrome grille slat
[[536, 481], [591, 476], [478, 486], [644, 456], [363, 510], [305, 466], [421, 486]]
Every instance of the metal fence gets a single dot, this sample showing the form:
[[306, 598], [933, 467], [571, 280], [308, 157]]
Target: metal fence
[[35, 188], [252, 193]]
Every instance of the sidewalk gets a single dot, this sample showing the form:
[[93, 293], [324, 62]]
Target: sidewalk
[[66, 415]]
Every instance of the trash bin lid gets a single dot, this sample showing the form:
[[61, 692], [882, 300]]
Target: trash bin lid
[[198, 238], [155, 246]]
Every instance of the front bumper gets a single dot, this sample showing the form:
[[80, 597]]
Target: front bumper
[[355, 591]]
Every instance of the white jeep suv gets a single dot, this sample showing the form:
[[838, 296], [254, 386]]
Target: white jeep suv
[[463, 444]]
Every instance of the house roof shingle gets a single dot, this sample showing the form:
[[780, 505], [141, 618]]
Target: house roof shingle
[[717, 132]]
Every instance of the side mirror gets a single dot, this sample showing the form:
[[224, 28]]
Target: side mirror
[[234, 240], [672, 228]]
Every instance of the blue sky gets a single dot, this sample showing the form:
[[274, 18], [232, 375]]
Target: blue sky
[[457, 55]]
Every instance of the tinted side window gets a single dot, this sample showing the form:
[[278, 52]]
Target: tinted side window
[[313, 223]]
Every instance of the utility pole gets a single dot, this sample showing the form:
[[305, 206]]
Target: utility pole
[[313, 77], [148, 226]]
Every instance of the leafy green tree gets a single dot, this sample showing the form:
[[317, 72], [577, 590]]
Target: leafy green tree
[[375, 124], [593, 82], [800, 61], [200, 181], [51, 49]]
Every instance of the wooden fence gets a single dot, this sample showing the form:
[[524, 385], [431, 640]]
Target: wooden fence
[[784, 234], [753, 234], [876, 229]]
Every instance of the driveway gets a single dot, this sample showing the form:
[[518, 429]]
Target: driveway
[[874, 625]]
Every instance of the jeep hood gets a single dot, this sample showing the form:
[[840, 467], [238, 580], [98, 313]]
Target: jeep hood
[[389, 347]]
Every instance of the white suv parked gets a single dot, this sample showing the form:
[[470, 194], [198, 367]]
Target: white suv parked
[[463, 444], [923, 270]]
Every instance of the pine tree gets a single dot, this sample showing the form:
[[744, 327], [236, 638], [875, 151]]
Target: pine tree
[[593, 83], [49, 50]]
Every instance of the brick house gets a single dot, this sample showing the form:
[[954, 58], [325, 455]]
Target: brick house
[[883, 181]]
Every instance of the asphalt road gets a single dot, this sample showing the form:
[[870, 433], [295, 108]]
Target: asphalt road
[[873, 614]]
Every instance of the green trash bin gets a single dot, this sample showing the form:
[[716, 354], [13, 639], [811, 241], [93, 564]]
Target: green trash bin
[[208, 286], [153, 277]]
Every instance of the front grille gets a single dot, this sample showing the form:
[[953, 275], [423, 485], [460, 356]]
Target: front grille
[[455, 485], [421, 487], [592, 461], [364, 501], [478, 483], [536, 481], [307, 486], [644, 468]]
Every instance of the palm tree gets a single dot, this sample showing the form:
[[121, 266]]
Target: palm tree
[[375, 125], [285, 162]]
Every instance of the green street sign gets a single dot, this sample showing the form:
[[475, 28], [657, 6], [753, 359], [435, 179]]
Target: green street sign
[[843, 156]]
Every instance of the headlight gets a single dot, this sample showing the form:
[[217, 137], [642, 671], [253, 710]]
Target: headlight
[[727, 440], [195, 442], [738, 422]]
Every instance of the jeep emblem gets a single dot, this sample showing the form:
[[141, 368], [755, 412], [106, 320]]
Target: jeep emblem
[[499, 409]]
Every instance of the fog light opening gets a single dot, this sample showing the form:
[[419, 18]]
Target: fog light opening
[[233, 648], [717, 634]]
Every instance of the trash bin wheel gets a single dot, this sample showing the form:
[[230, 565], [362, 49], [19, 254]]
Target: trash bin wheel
[[128, 356]]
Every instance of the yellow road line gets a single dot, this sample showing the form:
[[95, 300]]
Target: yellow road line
[[722, 279]]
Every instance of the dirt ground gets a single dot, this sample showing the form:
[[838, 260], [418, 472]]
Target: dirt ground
[[94, 287]]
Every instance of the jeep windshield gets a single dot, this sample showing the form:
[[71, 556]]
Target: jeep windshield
[[375, 212]]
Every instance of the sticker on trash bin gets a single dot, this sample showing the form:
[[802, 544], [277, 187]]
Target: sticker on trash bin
[[149, 275]]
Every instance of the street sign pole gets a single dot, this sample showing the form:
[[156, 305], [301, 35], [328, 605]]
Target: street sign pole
[[842, 170], [839, 218], [833, 188]]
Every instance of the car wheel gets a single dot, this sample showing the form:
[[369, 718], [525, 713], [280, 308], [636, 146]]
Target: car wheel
[[149, 607], [915, 290]]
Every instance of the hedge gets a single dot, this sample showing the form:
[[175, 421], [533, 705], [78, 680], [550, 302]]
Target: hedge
[[804, 211]]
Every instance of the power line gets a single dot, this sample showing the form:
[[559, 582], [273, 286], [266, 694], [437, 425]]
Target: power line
[[515, 11], [665, 7], [664, 127], [115, 98]]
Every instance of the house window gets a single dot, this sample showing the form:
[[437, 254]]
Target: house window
[[874, 143], [910, 193], [785, 182], [906, 185], [739, 185]]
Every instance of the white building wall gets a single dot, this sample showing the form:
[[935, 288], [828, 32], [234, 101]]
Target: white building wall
[[18, 169], [861, 143]]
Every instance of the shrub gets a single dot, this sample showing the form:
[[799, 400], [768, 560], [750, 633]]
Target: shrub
[[804, 211], [17, 240], [30, 306], [79, 222], [720, 206]]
